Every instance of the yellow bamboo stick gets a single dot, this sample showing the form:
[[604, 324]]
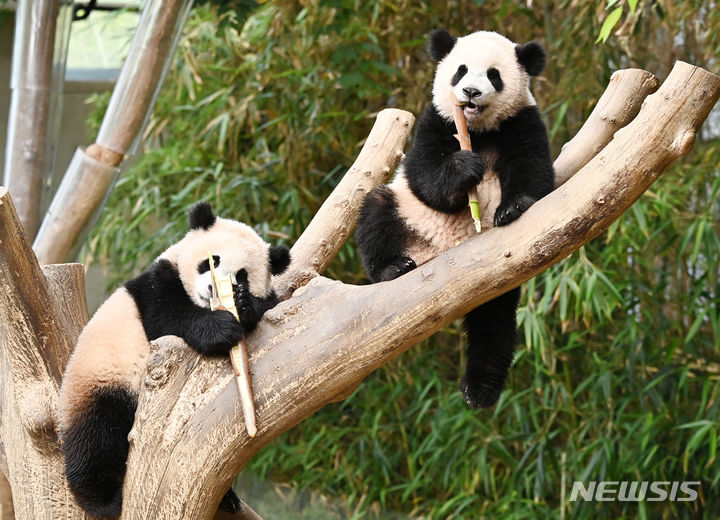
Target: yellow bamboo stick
[[466, 144], [222, 287]]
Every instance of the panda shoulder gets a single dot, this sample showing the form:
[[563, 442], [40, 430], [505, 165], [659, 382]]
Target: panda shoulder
[[527, 119], [158, 277], [431, 122]]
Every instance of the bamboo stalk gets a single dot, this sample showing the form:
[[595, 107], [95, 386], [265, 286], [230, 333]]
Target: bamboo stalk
[[466, 144], [223, 299]]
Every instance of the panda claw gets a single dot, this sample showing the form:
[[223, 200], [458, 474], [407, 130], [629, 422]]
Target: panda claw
[[398, 268], [478, 394], [510, 210]]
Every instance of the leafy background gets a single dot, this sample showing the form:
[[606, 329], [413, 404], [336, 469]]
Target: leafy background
[[617, 370]]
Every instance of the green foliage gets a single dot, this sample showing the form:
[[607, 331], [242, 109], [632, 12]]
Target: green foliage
[[617, 376]]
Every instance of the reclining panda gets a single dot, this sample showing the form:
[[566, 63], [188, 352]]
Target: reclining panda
[[424, 212], [100, 387]]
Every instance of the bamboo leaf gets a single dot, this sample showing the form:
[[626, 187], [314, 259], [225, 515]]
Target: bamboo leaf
[[609, 24]]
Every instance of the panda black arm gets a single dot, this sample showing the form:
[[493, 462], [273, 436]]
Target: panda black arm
[[438, 172], [250, 308], [166, 309], [524, 165]]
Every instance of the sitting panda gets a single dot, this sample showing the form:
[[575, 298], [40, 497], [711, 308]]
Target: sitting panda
[[100, 387], [424, 211]]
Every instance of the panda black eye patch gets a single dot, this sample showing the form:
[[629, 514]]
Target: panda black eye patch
[[462, 70], [495, 80], [204, 266]]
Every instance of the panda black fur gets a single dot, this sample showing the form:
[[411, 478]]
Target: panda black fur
[[424, 211], [99, 392]]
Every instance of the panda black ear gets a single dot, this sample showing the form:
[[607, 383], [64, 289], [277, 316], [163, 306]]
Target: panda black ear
[[279, 259], [441, 43], [531, 55], [201, 216]]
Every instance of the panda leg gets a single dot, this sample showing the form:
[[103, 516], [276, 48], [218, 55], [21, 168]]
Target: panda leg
[[95, 448], [230, 502], [381, 236], [491, 330]]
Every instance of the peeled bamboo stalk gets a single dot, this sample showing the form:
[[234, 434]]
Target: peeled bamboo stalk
[[466, 144], [223, 299]]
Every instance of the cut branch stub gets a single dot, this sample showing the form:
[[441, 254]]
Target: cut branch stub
[[329, 336], [27, 317], [618, 105], [335, 220]]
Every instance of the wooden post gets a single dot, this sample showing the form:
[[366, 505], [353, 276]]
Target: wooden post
[[27, 141], [90, 176]]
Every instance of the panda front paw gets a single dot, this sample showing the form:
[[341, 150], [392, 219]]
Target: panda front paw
[[228, 331], [469, 166], [248, 311], [479, 394], [511, 209], [398, 268]]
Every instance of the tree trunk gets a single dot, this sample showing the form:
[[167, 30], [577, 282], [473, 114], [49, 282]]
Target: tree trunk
[[189, 439], [42, 313], [7, 512]]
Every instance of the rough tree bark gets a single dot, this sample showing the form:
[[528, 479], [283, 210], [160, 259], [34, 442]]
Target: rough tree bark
[[7, 512], [189, 439]]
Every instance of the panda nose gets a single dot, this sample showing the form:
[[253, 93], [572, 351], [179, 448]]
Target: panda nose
[[471, 92]]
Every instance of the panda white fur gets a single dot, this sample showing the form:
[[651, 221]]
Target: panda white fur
[[100, 386], [424, 210]]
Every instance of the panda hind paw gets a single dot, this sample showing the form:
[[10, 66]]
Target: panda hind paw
[[478, 394], [510, 210], [398, 268]]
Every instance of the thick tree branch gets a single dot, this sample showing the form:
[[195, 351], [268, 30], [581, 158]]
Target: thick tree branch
[[41, 314], [618, 105], [29, 324], [329, 336]]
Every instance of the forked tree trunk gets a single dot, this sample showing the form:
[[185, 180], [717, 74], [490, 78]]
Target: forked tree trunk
[[7, 512], [189, 439]]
